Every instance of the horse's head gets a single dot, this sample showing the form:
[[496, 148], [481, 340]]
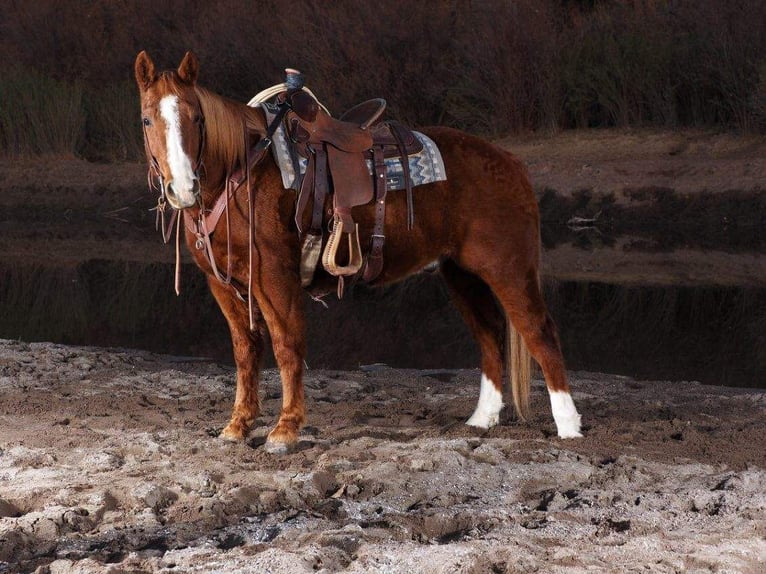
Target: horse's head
[[173, 127]]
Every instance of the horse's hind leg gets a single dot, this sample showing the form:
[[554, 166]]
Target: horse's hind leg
[[521, 297], [484, 318], [248, 349]]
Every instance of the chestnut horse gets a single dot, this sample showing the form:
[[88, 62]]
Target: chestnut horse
[[481, 226]]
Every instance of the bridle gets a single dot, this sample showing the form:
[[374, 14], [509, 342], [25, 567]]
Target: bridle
[[205, 223], [155, 174]]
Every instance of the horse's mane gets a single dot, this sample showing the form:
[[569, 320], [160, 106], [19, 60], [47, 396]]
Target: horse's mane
[[228, 123], [227, 126]]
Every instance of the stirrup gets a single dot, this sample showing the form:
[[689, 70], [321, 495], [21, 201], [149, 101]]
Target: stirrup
[[331, 249]]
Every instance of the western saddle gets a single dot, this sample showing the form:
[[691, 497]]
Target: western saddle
[[337, 153]]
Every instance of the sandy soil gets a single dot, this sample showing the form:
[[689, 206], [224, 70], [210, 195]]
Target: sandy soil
[[109, 463]]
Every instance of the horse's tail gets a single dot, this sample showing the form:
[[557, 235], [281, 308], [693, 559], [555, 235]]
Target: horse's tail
[[519, 363]]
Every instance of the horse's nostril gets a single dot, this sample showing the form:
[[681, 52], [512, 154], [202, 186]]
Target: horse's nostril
[[182, 198]]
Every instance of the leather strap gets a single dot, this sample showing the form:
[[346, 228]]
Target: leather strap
[[212, 217], [407, 182], [375, 258], [321, 188], [204, 226], [307, 188]]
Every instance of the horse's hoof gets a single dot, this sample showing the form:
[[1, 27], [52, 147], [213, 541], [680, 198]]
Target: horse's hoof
[[281, 440], [233, 433], [230, 438], [278, 448]]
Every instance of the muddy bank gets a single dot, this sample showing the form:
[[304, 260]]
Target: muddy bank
[[109, 462]]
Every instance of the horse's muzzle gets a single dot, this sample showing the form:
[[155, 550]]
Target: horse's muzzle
[[181, 199]]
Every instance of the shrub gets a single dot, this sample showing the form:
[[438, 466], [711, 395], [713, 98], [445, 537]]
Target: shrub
[[113, 123], [39, 114], [488, 67]]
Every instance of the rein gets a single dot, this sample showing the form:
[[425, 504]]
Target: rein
[[206, 221]]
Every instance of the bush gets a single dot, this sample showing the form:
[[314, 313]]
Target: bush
[[113, 123], [39, 114], [489, 67]]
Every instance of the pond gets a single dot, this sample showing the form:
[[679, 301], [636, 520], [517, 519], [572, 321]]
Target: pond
[[652, 303]]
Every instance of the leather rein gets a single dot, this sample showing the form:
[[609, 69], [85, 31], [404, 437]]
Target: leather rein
[[206, 220]]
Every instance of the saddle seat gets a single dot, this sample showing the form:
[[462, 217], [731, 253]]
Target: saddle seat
[[338, 151]]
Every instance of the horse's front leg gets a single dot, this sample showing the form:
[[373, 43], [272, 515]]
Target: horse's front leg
[[248, 349], [280, 299]]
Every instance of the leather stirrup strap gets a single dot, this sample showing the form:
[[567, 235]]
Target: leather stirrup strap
[[375, 258], [307, 187], [315, 180], [407, 182], [321, 187], [314, 183]]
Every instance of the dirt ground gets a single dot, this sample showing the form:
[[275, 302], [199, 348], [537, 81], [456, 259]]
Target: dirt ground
[[618, 161], [110, 463]]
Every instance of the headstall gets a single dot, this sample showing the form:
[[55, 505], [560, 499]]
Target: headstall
[[206, 221]]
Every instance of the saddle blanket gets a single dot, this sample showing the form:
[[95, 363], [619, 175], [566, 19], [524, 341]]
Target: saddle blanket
[[425, 167]]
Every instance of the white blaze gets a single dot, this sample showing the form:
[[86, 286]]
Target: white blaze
[[181, 171], [565, 414], [487, 413]]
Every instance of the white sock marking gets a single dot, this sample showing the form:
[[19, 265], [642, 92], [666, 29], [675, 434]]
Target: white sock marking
[[565, 414], [181, 170], [487, 413]]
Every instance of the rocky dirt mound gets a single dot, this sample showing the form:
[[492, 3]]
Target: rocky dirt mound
[[110, 463]]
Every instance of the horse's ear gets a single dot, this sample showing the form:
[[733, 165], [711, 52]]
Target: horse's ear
[[189, 68], [144, 68]]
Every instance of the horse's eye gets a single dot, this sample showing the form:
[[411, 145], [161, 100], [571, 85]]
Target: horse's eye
[[197, 118], [147, 122]]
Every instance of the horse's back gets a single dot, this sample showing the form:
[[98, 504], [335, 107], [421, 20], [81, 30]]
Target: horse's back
[[487, 188], [471, 160]]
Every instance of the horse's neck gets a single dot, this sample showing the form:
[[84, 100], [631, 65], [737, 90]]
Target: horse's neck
[[212, 179], [229, 128], [217, 175]]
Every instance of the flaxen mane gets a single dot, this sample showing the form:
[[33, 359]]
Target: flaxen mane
[[225, 125]]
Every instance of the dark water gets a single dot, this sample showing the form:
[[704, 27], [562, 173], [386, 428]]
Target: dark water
[[672, 288], [712, 333]]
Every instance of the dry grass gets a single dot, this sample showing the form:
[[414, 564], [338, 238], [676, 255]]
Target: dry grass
[[491, 67]]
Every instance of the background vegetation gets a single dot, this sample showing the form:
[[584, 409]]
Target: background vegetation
[[490, 67]]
